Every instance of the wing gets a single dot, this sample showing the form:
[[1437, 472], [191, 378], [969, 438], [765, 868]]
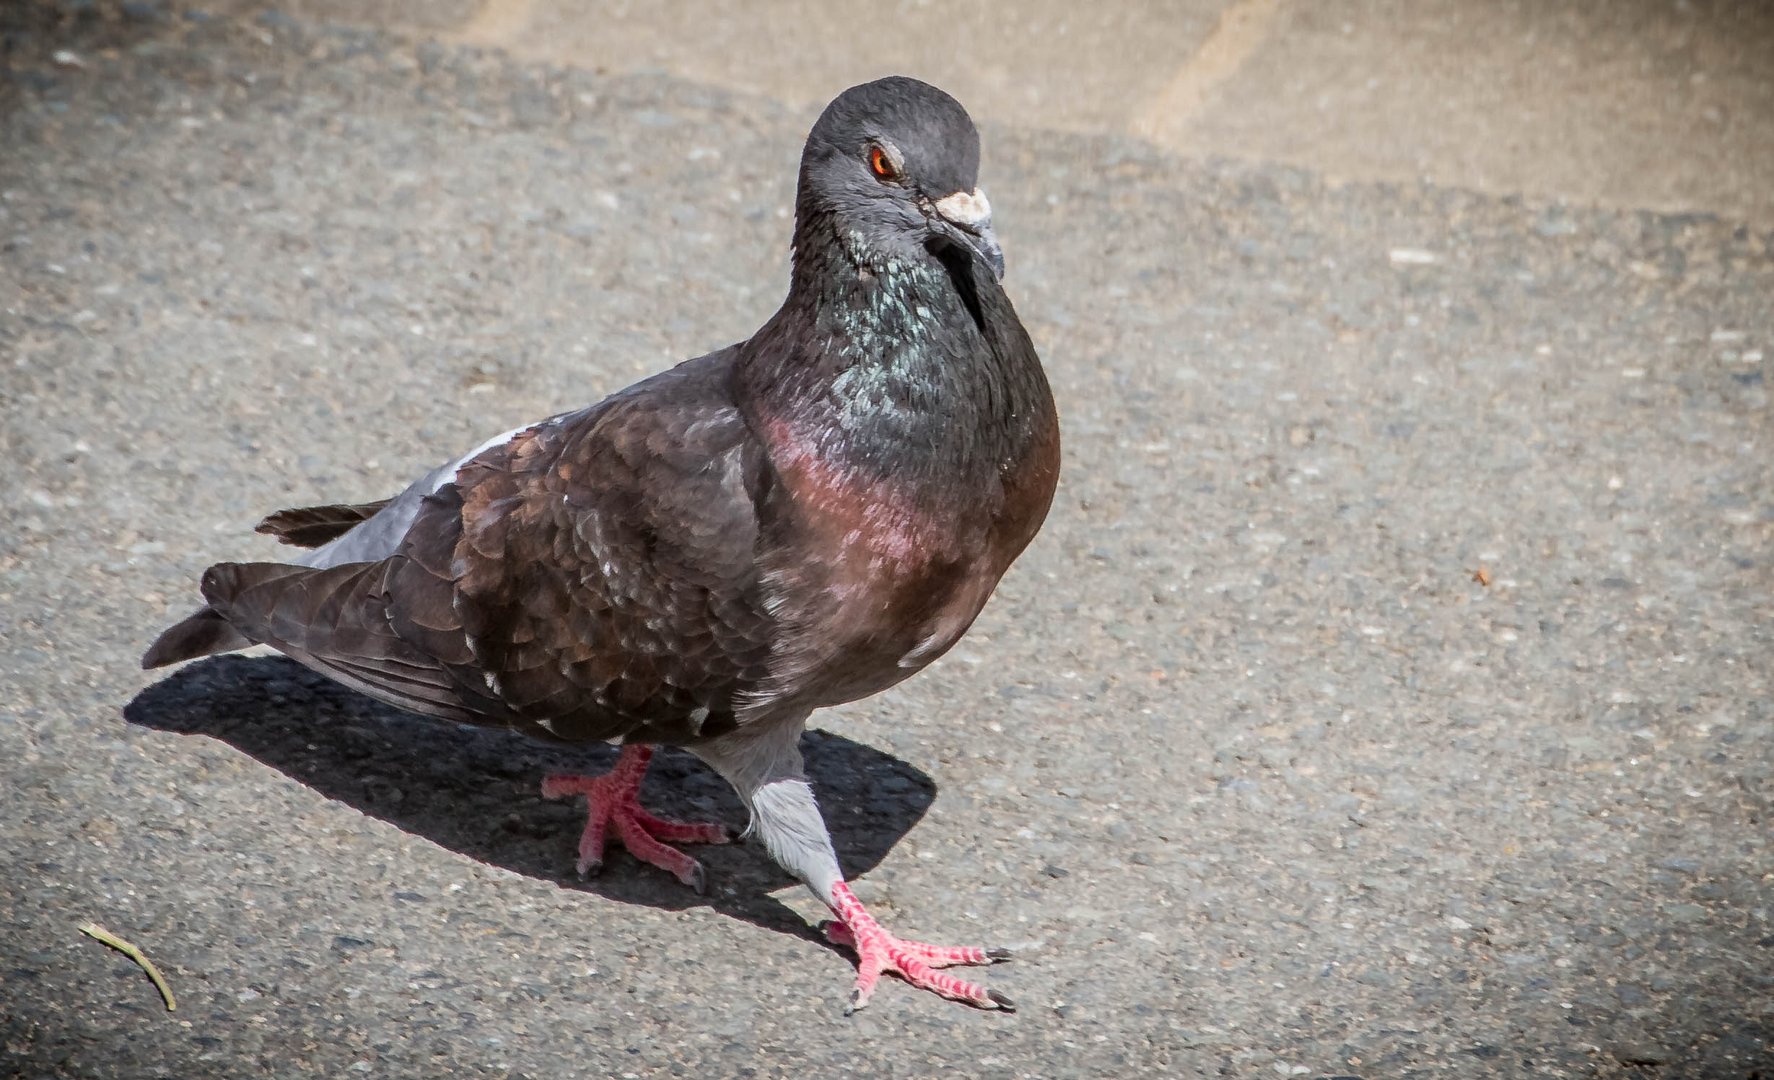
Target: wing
[[605, 568], [591, 577]]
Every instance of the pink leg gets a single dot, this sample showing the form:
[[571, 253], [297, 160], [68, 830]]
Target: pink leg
[[877, 951], [612, 801]]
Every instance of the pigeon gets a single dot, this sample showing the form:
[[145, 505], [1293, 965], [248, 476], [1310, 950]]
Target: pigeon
[[701, 560]]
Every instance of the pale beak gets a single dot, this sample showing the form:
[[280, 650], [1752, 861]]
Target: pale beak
[[971, 214]]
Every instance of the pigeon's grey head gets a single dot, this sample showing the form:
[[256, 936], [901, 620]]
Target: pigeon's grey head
[[894, 164]]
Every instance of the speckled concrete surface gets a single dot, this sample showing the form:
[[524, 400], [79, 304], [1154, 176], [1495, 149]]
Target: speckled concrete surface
[[1253, 772]]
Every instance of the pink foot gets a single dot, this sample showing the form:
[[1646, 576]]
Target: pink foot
[[613, 800], [878, 951]]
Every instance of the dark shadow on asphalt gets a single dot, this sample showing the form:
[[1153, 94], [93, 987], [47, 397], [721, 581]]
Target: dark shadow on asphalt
[[476, 790]]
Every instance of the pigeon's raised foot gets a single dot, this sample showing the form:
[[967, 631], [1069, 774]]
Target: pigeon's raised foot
[[612, 803], [877, 951]]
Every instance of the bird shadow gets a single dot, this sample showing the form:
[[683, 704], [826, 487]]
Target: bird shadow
[[476, 791]]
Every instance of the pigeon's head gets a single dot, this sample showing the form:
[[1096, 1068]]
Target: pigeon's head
[[895, 165]]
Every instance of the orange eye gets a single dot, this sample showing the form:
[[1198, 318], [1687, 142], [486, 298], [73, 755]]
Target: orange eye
[[882, 164]]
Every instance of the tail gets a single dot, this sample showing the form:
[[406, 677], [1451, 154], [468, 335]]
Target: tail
[[202, 633], [338, 621]]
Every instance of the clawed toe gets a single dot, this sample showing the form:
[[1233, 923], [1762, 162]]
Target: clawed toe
[[932, 956], [612, 805], [918, 963]]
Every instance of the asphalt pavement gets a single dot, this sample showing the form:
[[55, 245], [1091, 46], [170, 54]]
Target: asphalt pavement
[[1388, 694]]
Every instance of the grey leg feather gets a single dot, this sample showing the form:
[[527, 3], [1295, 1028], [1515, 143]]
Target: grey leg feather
[[786, 818], [765, 768]]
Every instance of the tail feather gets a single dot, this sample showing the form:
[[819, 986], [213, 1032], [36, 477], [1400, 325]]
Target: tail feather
[[202, 633], [312, 526]]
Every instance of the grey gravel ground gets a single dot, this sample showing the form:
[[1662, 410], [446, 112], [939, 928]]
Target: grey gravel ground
[[1254, 774]]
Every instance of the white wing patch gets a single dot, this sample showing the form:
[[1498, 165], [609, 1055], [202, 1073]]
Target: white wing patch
[[381, 535], [447, 474], [698, 716]]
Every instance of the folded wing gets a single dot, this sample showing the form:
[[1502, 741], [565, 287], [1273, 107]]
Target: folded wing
[[591, 577]]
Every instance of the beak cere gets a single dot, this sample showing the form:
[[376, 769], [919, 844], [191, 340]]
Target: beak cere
[[968, 209], [971, 212]]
